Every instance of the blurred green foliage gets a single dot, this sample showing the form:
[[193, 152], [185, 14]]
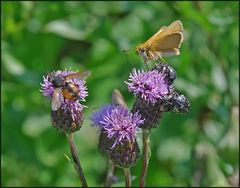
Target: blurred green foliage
[[197, 149]]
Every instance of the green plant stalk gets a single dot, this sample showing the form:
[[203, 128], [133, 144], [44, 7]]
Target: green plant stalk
[[127, 176], [110, 173], [146, 156], [76, 161]]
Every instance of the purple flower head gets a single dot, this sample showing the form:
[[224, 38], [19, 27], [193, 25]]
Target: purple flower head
[[151, 85], [47, 88], [73, 107], [97, 117], [121, 125]]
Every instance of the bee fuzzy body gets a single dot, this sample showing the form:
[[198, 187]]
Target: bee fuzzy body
[[70, 91], [64, 89]]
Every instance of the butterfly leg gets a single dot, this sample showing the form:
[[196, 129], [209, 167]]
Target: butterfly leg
[[161, 59], [153, 58], [146, 65], [155, 61]]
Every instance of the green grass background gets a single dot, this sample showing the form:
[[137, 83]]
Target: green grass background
[[197, 149]]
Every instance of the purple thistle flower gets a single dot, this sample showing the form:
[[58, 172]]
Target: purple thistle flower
[[47, 88], [121, 125], [97, 117], [73, 107], [151, 85]]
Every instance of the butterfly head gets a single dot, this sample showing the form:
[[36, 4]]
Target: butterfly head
[[140, 50]]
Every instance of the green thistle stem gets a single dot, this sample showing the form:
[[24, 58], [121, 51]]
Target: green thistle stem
[[76, 160], [110, 174], [127, 175], [146, 156]]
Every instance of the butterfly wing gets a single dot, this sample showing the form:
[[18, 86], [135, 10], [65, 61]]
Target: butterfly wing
[[174, 27], [173, 31], [169, 43]]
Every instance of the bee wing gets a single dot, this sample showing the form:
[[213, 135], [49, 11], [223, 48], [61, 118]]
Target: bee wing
[[84, 75], [81, 75], [57, 99], [167, 38]]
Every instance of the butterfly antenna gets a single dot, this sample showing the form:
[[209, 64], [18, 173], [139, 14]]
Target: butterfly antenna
[[127, 52], [126, 56]]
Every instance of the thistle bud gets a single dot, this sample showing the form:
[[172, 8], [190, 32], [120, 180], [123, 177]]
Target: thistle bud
[[63, 120], [126, 154], [152, 113]]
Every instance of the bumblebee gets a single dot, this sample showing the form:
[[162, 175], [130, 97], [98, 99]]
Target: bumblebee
[[65, 88]]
